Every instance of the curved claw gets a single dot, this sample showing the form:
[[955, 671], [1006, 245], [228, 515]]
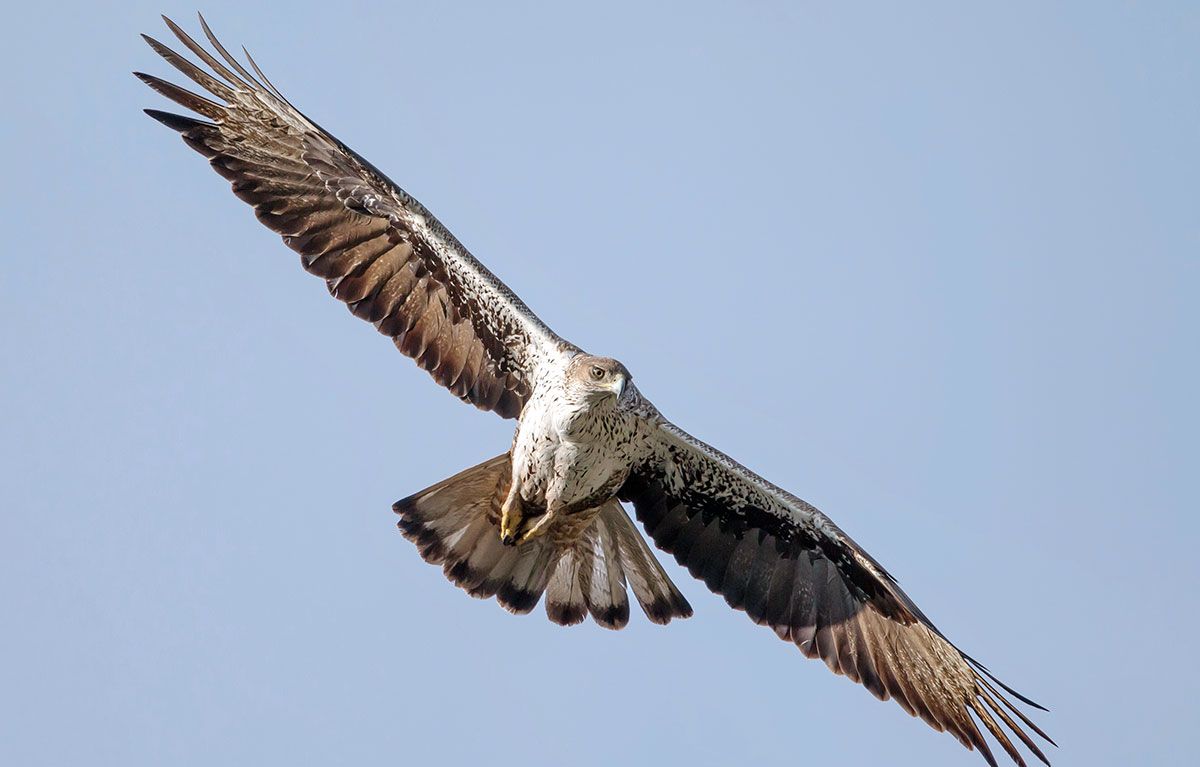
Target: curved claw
[[538, 528], [511, 519]]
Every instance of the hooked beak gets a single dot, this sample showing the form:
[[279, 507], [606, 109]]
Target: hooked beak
[[617, 387]]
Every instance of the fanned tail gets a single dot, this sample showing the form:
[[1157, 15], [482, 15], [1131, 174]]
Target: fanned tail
[[454, 524]]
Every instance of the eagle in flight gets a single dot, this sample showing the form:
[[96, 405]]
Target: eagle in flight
[[545, 518]]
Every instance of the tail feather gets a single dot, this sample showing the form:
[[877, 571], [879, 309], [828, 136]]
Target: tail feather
[[492, 564], [475, 557], [520, 592], [454, 524], [604, 584], [565, 604]]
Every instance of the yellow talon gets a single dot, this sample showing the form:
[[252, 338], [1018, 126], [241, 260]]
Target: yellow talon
[[536, 529], [511, 519]]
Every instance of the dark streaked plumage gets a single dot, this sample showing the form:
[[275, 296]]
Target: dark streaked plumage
[[378, 249], [545, 518]]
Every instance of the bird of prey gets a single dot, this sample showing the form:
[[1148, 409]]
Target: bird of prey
[[545, 517]]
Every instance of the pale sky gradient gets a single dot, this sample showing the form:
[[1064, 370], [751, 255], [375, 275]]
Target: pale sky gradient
[[932, 268]]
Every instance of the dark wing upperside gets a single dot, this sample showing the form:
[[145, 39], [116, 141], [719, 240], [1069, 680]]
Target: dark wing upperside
[[789, 567], [378, 249]]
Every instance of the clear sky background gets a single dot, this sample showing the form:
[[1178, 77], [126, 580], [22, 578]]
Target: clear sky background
[[933, 269]]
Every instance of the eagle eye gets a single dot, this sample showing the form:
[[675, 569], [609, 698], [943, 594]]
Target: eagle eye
[[597, 373]]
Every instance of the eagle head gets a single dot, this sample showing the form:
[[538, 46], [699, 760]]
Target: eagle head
[[597, 378]]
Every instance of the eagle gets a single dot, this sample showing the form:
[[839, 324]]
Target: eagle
[[546, 518]]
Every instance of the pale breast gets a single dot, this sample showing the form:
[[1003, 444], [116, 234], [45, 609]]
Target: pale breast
[[533, 452], [570, 453]]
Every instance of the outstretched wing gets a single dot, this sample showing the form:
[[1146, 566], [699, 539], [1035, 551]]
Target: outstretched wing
[[378, 249], [789, 567]]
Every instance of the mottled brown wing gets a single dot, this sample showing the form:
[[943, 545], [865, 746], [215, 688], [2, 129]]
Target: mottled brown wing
[[789, 567], [378, 249]]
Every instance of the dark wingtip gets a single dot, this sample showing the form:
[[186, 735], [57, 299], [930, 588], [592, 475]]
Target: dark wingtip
[[171, 25], [984, 669], [171, 120], [175, 28]]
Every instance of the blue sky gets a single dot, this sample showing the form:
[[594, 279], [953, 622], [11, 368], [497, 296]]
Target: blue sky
[[933, 269]]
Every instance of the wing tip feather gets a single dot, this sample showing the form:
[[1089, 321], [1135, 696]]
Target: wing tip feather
[[176, 122]]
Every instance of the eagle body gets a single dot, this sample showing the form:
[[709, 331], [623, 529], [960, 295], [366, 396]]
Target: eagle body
[[575, 443], [547, 518]]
